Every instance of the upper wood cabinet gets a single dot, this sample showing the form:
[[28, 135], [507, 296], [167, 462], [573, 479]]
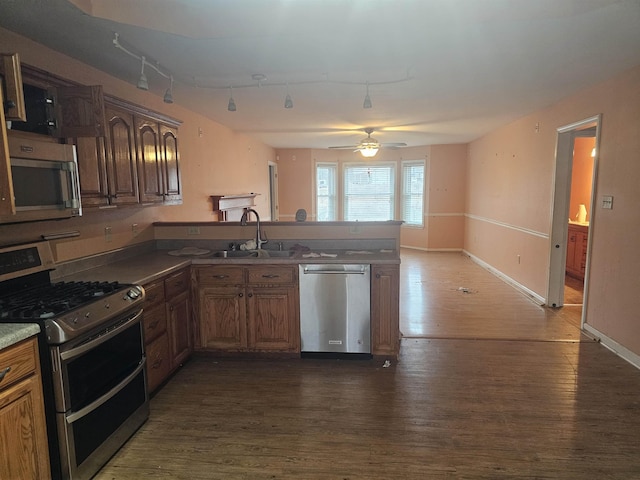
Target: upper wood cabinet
[[7, 204], [127, 155], [158, 162]]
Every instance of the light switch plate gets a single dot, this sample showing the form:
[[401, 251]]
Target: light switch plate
[[607, 202]]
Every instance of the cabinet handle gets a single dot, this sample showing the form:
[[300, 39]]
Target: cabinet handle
[[241, 295], [157, 363], [220, 277], [377, 275], [4, 372], [179, 283], [270, 275], [250, 295]]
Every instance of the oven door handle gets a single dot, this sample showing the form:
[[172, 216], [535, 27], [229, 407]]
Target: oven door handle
[[107, 396], [84, 347]]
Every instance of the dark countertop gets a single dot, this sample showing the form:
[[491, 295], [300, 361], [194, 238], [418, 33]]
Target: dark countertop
[[148, 267]]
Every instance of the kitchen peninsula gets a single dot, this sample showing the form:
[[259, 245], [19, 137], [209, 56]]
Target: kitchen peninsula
[[234, 282]]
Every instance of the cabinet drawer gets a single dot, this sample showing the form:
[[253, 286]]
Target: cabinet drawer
[[20, 359], [154, 294], [270, 274], [154, 322], [221, 275], [157, 362], [176, 283]]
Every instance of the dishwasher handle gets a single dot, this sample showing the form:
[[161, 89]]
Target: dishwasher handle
[[311, 271]]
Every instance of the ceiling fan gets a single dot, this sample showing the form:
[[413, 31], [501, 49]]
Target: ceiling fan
[[368, 147]]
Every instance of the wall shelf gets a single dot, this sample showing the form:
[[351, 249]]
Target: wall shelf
[[230, 207]]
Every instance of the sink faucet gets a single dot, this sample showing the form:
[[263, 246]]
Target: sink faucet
[[243, 221]]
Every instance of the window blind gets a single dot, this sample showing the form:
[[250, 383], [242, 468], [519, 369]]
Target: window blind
[[369, 192], [326, 201], [413, 193]]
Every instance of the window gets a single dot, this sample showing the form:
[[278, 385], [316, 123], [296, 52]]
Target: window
[[369, 192], [326, 208], [413, 193]]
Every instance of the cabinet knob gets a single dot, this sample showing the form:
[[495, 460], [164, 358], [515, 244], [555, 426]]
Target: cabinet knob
[[377, 275], [250, 295], [241, 295]]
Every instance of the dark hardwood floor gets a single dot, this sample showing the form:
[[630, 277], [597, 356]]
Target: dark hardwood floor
[[528, 396]]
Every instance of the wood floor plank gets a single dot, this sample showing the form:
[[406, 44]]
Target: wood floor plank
[[472, 407]]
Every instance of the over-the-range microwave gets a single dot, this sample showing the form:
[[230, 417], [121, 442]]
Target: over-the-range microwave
[[45, 182]]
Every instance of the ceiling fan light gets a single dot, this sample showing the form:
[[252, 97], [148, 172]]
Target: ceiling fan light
[[368, 151]]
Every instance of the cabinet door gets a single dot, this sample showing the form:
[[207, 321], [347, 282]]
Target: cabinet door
[[121, 158], [158, 361], [23, 446], [223, 318], [7, 204], [92, 171], [150, 166], [170, 165], [179, 317], [272, 321], [79, 111], [385, 315]]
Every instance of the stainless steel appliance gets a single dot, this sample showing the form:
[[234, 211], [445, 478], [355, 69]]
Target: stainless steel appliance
[[44, 180], [335, 309], [91, 352]]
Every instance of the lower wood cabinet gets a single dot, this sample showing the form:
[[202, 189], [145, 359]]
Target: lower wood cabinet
[[23, 432], [385, 315], [167, 326], [578, 236], [248, 307]]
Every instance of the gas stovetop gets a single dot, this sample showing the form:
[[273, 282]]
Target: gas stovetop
[[64, 310], [49, 301]]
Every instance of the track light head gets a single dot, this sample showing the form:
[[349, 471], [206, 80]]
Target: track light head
[[168, 95], [367, 99], [288, 103], [232, 104], [143, 84]]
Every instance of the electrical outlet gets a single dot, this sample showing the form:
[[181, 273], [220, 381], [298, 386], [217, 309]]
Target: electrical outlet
[[193, 230], [107, 234], [607, 202], [134, 229]]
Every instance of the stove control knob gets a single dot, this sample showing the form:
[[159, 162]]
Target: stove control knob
[[134, 293]]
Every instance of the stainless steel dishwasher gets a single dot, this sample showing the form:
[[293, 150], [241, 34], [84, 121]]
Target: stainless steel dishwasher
[[335, 309]]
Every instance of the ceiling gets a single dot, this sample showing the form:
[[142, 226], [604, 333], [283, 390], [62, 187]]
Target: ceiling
[[439, 71]]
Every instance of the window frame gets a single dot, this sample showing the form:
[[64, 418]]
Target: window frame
[[392, 166], [404, 195]]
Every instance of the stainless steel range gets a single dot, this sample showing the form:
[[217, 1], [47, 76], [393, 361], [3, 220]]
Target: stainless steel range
[[92, 357]]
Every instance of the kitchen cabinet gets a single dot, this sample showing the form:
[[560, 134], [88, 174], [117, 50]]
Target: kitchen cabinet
[[167, 326], [248, 308], [24, 447], [577, 237], [7, 205], [158, 162], [385, 315]]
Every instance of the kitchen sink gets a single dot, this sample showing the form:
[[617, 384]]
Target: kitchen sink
[[252, 254], [234, 254]]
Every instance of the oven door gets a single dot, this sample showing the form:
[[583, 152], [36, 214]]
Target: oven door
[[101, 396]]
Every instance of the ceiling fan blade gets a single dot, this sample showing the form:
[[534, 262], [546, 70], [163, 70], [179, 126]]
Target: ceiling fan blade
[[345, 147], [393, 145]]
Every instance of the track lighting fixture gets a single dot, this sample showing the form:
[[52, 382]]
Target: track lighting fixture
[[288, 103], [168, 95], [367, 103], [143, 84], [232, 104]]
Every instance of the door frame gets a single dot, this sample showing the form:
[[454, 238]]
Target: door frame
[[560, 209], [273, 191]]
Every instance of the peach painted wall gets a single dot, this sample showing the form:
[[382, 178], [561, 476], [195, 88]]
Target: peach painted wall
[[509, 196], [214, 160], [444, 190], [581, 176]]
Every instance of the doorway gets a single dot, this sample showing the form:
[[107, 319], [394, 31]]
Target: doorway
[[573, 202]]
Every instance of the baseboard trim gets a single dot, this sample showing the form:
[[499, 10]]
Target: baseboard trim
[[422, 249], [614, 346], [506, 278]]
